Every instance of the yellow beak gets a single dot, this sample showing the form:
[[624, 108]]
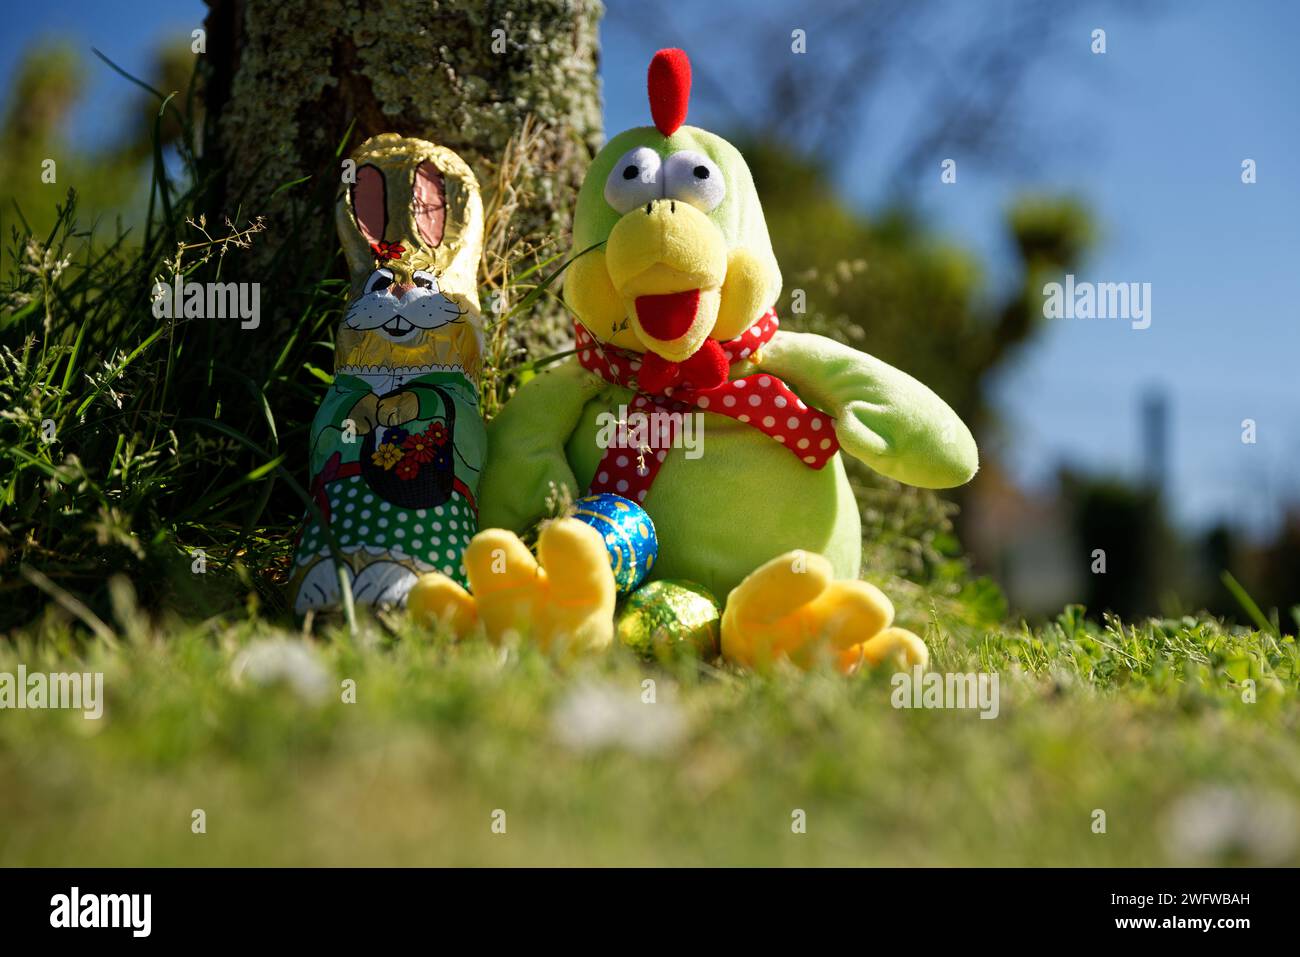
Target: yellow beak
[[667, 263]]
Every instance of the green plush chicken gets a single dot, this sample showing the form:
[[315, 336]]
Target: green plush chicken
[[673, 286]]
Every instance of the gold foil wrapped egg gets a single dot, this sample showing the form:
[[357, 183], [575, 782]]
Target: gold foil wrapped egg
[[669, 618]]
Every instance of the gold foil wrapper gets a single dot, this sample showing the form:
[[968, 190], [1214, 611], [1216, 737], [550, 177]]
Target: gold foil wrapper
[[670, 618], [454, 260]]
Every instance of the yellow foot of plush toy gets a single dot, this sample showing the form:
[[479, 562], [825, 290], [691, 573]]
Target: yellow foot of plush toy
[[562, 598], [793, 607]]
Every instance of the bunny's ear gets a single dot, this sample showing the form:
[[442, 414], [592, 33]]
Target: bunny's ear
[[370, 202], [429, 202]]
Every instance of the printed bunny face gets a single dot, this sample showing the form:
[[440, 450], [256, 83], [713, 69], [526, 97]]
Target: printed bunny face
[[412, 230]]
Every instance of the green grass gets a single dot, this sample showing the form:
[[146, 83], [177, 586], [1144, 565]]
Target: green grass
[[1145, 723]]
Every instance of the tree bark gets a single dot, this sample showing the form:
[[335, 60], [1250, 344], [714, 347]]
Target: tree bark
[[286, 80]]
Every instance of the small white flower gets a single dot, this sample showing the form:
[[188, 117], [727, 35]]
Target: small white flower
[[594, 716], [280, 661], [1217, 825]]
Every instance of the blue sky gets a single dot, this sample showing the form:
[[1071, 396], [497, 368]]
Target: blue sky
[[1151, 134]]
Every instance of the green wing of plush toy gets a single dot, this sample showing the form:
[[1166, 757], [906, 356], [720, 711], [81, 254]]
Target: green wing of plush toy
[[883, 417]]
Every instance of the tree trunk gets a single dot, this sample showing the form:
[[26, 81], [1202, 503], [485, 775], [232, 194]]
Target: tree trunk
[[511, 85]]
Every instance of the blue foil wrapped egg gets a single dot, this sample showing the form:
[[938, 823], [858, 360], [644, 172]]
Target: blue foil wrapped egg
[[628, 533]]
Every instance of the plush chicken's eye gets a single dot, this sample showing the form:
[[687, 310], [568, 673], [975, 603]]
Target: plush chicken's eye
[[424, 280], [634, 180], [379, 279], [694, 178]]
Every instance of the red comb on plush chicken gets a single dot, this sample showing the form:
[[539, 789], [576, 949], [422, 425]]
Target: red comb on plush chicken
[[670, 89]]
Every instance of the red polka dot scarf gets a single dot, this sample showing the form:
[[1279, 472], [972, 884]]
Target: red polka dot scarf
[[760, 400]]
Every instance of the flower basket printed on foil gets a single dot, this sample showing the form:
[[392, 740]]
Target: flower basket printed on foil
[[412, 466]]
